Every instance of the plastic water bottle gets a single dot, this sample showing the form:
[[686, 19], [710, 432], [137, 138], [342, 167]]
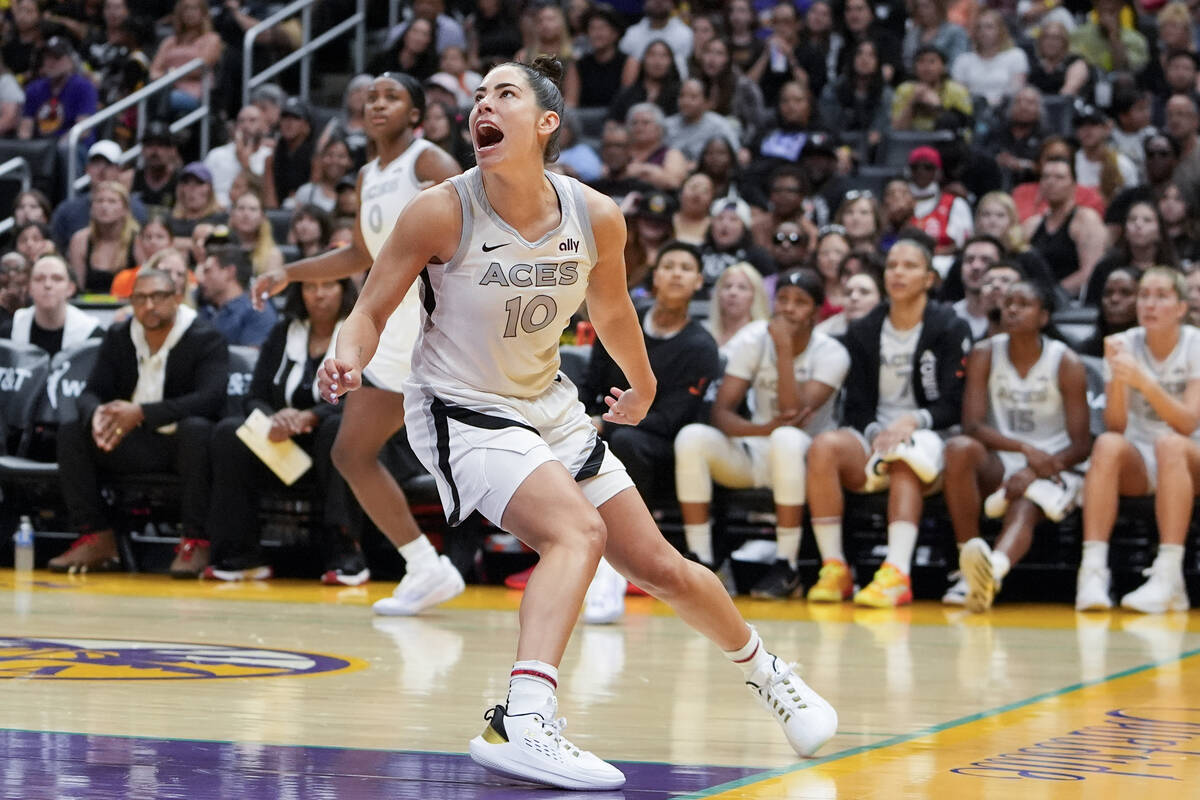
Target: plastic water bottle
[[23, 547]]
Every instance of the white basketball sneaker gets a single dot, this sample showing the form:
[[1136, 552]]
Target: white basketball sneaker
[[956, 594], [975, 562], [1092, 589], [605, 600], [807, 719], [531, 747], [1163, 592], [420, 589]]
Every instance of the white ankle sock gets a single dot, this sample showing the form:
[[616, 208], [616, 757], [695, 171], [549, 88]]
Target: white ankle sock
[[1095, 555], [1000, 566], [750, 657], [828, 532], [699, 540], [902, 540], [1170, 557], [418, 553], [787, 544], [530, 685]]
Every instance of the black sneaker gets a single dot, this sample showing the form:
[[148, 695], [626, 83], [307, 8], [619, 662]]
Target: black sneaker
[[781, 581], [348, 569]]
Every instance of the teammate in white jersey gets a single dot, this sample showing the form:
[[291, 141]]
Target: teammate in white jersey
[[403, 166], [1025, 424], [1152, 411], [501, 274], [790, 407]]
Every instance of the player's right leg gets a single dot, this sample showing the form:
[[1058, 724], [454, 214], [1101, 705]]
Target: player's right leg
[[835, 460], [972, 473], [1114, 462]]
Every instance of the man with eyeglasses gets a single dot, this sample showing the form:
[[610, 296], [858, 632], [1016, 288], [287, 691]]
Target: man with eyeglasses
[[151, 399], [786, 202]]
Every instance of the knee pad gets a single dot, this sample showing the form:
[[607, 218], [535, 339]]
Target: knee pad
[[788, 446]]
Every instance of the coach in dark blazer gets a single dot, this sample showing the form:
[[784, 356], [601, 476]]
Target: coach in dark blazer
[[151, 400]]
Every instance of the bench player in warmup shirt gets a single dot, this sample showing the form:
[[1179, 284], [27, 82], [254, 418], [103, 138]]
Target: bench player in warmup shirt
[[405, 165], [504, 255], [1025, 420], [1152, 389], [790, 406]]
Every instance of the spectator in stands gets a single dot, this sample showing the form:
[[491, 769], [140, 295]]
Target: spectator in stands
[[444, 126], [1152, 389], [157, 385], [1028, 197], [291, 161], [658, 81], [1181, 223], [349, 122], [898, 207], [1174, 33], [794, 117], [1025, 427], [979, 253], [1183, 121], [155, 182], [23, 39], [195, 203], [269, 98], [1015, 144], [653, 159], [175, 263], [72, 214], [1118, 311], [996, 216], [12, 101], [493, 34], [309, 230], [738, 298], [31, 205], [283, 390], [931, 27], [943, 217], [730, 93], [347, 195], [224, 278], [232, 20], [860, 101], [594, 79], [683, 357], [692, 221], [1107, 43], [859, 214], [1142, 243], [453, 73], [863, 290], [193, 37], [706, 26], [832, 247], [1097, 163], [904, 386], [994, 68], [794, 375], [930, 100], [653, 220], [1068, 236], [659, 24], [1192, 277], [120, 66], [60, 97], [333, 163], [859, 24], [449, 33], [14, 284], [106, 246], [414, 52], [250, 228], [1055, 68], [154, 236], [777, 64], [576, 157], [549, 34], [720, 163], [33, 241], [51, 323], [248, 148], [729, 241], [617, 182], [1131, 124], [1160, 156], [745, 45], [695, 123]]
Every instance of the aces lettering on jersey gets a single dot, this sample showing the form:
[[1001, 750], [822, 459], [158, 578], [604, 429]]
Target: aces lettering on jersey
[[530, 314]]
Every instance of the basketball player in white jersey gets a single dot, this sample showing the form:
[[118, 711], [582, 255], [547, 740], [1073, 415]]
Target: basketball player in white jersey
[[1025, 425], [505, 254], [1153, 407], [403, 166], [790, 406]]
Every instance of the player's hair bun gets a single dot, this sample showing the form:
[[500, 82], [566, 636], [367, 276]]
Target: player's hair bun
[[551, 67]]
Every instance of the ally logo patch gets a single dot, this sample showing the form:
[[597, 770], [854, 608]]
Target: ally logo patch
[[119, 659]]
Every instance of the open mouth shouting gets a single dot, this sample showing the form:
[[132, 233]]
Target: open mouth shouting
[[487, 136]]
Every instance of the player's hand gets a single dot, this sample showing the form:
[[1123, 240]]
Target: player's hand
[[1015, 488], [893, 435], [626, 407], [1042, 463], [289, 422], [335, 378], [781, 330], [796, 419], [269, 284]]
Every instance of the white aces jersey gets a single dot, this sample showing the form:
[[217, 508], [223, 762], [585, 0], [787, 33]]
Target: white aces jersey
[[1172, 374], [1028, 409], [386, 192], [493, 314]]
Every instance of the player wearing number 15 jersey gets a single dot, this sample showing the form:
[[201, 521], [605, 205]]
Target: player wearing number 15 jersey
[[504, 255]]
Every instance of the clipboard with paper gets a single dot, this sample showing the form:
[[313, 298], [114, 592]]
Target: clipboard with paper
[[286, 459]]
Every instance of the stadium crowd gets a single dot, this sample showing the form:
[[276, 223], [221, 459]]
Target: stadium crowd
[[944, 213]]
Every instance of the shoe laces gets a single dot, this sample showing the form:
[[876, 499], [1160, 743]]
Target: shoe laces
[[779, 689], [552, 728]]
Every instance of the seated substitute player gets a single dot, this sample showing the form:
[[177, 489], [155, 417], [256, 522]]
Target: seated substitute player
[[790, 406], [903, 394], [1025, 420], [1152, 386]]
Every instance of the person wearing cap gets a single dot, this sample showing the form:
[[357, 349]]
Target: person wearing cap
[[1109, 40], [60, 97], [595, 78], [926, 101], [293, 157], [944, 217], [12, 101], [193, 37], [154, 181], [729, 241], [695, 123], [248, 148], [442, 88], [195, 205], [1097, 163], [71, 215]]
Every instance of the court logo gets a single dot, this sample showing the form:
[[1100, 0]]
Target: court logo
[[116, 659]]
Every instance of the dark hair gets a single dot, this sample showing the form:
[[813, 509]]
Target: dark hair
[[805, 279], [1070, 162], [293, 299], [1005, 263], [988, 239], [787, 171], [416, 92], [925, 50], [1164, 251], [915, 237], [845, 87], [41, 226], [1172, 142], [233, 255], [545, 76], [872, 267], [686, 247], [322, 217], [39, 196]]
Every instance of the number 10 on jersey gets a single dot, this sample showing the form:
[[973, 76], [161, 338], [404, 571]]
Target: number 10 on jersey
[[533, 315]]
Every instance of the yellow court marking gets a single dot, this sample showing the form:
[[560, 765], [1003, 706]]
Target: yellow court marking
[[1136, 733]]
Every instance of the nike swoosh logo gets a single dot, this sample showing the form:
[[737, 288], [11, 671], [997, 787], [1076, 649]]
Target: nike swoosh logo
[[488, 249]]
